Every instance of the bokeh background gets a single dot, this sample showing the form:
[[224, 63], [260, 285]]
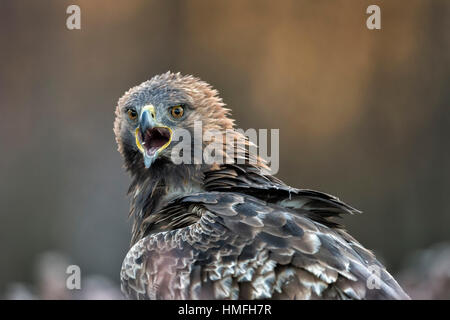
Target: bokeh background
[[362, 114]]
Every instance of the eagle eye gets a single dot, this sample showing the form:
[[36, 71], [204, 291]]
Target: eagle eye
[[177, 111], [132, 114]]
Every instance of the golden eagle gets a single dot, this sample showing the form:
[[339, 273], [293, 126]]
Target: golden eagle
[[227, 230]]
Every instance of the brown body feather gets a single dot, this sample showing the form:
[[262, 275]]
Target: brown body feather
[[250, 236]]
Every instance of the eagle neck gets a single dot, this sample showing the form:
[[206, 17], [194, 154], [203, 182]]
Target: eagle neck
[[162, 183]]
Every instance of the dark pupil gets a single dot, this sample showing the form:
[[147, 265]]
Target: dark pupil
[[133, 113], [177, 111]]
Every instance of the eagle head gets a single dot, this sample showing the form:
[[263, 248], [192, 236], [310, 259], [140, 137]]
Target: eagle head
[[148, 115]]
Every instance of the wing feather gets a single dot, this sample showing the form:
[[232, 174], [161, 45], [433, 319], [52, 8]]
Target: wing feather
[[245, 247]]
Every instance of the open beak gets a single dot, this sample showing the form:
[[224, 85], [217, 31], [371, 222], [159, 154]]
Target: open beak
[[151, 137]]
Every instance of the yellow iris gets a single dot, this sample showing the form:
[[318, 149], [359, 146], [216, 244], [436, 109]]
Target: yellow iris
[[177, 112]]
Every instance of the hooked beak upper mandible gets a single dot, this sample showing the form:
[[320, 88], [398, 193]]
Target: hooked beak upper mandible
[[148, 118]]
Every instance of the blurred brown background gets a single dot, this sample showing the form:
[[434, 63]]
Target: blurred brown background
[[362, 114]]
